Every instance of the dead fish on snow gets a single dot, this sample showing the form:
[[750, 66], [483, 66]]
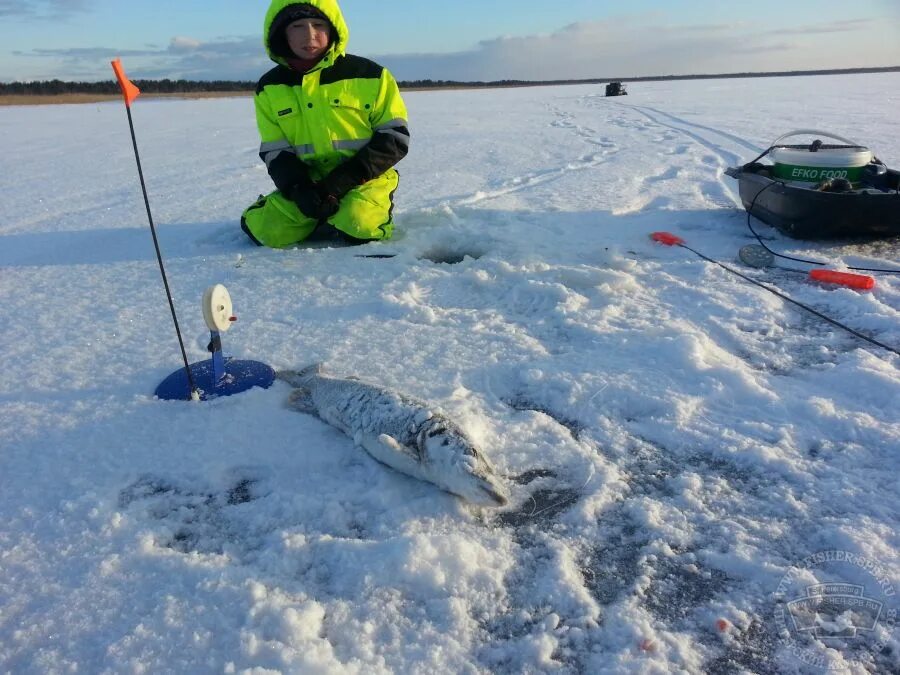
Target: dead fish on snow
[[399, 431]]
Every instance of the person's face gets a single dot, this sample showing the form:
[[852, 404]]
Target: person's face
[[308, 38]]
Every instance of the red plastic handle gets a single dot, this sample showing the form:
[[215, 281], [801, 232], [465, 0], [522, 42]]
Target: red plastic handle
[[667, 238], [858, 281]]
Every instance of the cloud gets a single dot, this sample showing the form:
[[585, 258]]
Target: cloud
[[85, 54], [770, 48], [848, 26], [232, 58], [42, 8], [185, 44], [627, 46], [705, 28], [633, 46]]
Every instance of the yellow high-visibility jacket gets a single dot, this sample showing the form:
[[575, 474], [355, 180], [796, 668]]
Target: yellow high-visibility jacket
[[345, 115]]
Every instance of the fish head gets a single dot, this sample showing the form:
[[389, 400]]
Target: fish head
[[456, 464]]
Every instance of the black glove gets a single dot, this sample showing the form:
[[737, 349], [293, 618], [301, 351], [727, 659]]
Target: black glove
[[337, 184], [330, 205], [309, 200]]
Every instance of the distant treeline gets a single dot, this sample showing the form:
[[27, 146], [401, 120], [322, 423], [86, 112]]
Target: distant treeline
[[56, 87]]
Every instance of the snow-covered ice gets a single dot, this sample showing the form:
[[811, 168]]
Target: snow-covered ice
[[676, 441]]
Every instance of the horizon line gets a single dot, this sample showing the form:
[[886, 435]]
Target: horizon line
[[518, 82]]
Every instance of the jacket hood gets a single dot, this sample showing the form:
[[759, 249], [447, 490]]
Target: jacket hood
[[329, 8]]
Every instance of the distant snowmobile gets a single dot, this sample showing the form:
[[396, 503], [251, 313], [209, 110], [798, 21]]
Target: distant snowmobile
[[399, 431]]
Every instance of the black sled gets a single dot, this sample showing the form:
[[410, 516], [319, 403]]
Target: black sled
[[833, 208]]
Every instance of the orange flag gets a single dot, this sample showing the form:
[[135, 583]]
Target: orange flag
[[129, 90]]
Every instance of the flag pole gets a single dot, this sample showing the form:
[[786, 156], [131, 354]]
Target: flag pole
[[131, 92]]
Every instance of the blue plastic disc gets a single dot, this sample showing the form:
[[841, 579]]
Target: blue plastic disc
[[239, 376]]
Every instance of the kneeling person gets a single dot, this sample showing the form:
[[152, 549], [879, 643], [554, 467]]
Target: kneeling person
[[332, 127]]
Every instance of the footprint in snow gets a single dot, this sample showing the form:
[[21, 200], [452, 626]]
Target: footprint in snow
[[194, 516]]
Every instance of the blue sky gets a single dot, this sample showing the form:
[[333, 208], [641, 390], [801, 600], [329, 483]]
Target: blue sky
[[465, 40]]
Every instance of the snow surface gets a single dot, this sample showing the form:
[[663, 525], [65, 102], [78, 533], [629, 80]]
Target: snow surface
[[675, 439]]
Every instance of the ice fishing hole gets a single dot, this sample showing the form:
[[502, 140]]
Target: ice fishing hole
[[450, 256]]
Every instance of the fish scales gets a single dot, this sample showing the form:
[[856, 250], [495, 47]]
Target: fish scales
[[355, 406]]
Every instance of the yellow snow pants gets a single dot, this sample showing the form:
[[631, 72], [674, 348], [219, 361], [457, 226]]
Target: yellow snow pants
[[366, 212]]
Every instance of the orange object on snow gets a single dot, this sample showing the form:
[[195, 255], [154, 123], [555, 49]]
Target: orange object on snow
[[667, 238], [129, 89], [858, 281]]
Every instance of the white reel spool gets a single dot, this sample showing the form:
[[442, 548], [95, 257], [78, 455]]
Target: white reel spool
[[217, 308]]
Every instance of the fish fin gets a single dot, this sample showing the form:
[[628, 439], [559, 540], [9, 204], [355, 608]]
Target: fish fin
[[301, 400], [297, 378], [393, 444], [388, 451]]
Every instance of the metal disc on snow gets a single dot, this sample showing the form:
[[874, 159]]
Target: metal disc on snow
[[755, 255]]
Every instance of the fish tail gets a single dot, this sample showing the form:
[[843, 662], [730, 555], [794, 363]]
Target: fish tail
[[297, 378]]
